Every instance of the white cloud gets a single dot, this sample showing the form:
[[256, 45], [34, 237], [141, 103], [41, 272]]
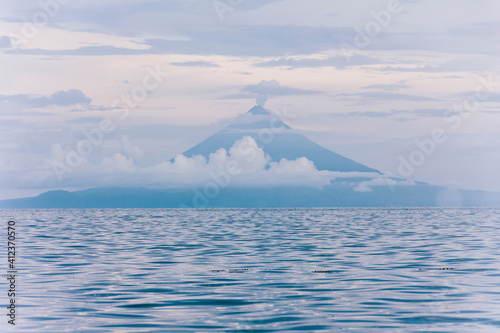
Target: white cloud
[[245, 164], [130, 148], [366, 186], [60, 98], [117, 163]]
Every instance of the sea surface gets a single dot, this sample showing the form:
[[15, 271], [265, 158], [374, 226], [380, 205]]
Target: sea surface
[[254, 270]]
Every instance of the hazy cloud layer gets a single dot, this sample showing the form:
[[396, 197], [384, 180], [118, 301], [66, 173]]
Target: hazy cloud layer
[[60, 98], [388, 87], [5, 42], [195, 64], [265, 89], [339, 62], [377, 96], [273, 88], [244, 164]]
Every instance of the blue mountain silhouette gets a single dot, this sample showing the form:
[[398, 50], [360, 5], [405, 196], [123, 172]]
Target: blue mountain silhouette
[[278, 141]]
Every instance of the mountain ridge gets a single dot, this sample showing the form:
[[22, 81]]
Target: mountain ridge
[[335, 195]]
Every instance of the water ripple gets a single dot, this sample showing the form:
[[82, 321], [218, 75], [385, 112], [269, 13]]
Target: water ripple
[[258, 270]]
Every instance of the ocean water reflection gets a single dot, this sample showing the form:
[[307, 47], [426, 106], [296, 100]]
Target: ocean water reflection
[[257, 270]]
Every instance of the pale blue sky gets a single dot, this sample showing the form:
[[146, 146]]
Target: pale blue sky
[[399, 82]]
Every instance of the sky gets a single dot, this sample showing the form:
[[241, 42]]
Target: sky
[[411, 88]]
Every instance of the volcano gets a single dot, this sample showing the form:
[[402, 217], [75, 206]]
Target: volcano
[[291, 163], [278, 140]]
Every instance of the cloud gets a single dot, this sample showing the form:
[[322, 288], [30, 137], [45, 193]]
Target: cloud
[[251, 5], [100, 50], [68, 97], [493, 97], [245, 164], [339, 62], [85, 120], [463, 64], [5, 42], [60, 98], [216, 39], [366, 186], [394, 112], [195, 64], [388, 96], [388, 87], [273, 88], [273, 30]]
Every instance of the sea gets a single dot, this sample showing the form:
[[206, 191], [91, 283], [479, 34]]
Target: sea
[[253, 270]]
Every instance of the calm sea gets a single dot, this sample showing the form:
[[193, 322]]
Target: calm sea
[[254, 270]]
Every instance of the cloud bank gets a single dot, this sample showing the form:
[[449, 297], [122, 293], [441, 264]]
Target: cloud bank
[[60, 98], [245, 164]]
